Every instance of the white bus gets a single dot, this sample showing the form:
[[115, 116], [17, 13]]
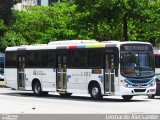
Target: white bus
[[2, 56], [157, 61], [82, 67], [157, 74]]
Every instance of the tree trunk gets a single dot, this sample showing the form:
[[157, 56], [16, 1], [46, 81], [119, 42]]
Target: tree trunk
[[125, 28]]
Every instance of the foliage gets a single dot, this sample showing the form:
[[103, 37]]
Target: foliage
[[6, 17], [5, 10], [106, 18], [103, 17], [41, 24], [85, 19], [2, 27]]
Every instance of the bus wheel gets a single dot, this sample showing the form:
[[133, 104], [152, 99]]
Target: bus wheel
[[95, 92], [65, 94], [37, 88], [151, 96], [127, 97]]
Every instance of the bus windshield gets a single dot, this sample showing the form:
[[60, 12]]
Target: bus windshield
[[136, 64]]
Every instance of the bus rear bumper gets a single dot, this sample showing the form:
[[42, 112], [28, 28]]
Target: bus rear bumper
[[136, 91]]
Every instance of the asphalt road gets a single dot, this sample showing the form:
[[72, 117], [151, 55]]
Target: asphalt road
[[15, 102]]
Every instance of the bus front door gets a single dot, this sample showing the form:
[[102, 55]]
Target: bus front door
[[61, 72], [109, 73], [21, 74]]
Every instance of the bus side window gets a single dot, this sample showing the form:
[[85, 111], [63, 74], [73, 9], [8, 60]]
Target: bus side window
[[51, 59], [95, 58], [157, 61], [77, 59]]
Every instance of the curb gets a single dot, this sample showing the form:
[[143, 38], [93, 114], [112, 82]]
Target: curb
[[3, 86]]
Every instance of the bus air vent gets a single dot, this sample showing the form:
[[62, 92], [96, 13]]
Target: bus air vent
[[139, 90]]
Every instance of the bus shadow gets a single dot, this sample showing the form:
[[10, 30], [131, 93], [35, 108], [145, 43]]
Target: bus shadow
[[73, 98], [155, 98]]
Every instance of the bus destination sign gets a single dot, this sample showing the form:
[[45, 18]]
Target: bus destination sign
[[136, 47]]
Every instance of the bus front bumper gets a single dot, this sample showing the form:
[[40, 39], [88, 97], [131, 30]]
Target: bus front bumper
[[137, 90]]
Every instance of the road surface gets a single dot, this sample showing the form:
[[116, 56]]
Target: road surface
[[15, 102]]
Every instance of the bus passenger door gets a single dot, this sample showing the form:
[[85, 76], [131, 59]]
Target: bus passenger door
[[21, 74], [109, 73], [61, 72]]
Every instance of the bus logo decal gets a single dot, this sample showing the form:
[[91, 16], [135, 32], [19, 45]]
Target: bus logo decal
[[34, 72]]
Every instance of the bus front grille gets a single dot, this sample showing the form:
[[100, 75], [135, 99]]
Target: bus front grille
[[139, 90]]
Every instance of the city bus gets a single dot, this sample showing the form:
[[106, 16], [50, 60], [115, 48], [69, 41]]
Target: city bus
[[157, 74], [2, 56], [82, 67]]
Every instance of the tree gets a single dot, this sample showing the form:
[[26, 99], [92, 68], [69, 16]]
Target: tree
[[85, 19], [143, 20], [102, 17], [120, 19], [2, 27], [6, 14], [41, 24], [5, 10]]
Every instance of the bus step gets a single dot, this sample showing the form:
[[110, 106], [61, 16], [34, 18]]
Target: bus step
[[21, 88], [61, 91], [109, 93]]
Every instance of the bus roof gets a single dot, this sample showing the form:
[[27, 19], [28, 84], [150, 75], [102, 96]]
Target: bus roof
[[127, 42], [72, 44]]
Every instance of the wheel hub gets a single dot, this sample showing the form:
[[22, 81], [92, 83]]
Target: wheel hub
[[95, 91]]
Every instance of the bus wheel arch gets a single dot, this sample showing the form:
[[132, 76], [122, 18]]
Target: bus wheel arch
[[37, 89], [94, 90]]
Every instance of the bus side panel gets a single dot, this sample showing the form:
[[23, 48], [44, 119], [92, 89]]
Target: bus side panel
[[79, 79], [29, 77], [47, 78], [77, 82], [11, 77], [95, 75]]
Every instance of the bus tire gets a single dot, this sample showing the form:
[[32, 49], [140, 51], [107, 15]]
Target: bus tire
[[37, 88], [151, 96], [65, 94], [127, 97], [95, 91]]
